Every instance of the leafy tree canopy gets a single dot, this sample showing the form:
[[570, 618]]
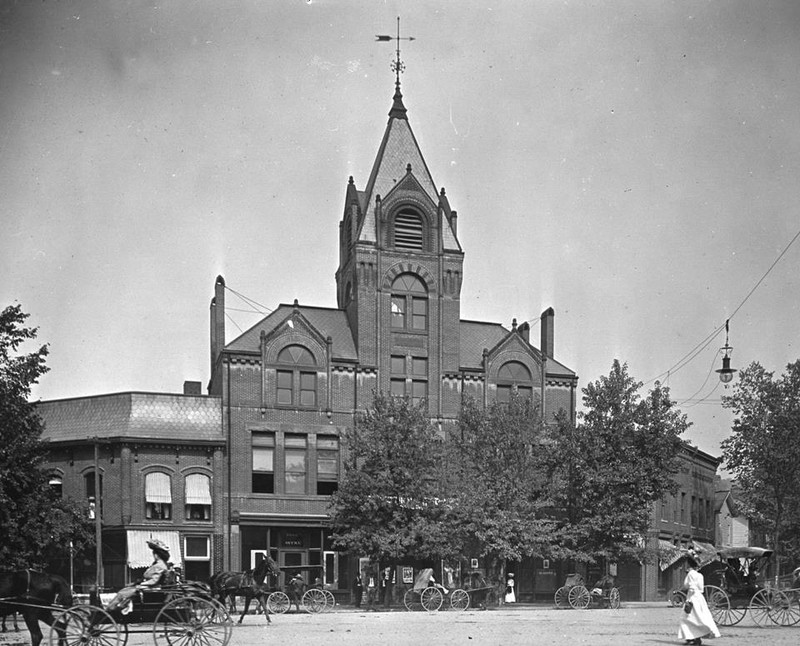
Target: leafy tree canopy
[[389, 503], [609, 469], [763, 451], [35, 525], [498, 482]]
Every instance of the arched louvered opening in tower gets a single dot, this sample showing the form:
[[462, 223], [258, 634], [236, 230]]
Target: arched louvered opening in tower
[[408, 230]]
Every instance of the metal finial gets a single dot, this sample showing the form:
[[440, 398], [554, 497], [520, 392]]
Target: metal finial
[[397, 65]]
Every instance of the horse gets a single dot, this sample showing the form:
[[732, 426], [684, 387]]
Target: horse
[[5, 611], [248, 584], [34, 594]]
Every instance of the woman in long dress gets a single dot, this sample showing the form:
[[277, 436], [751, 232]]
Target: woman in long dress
[[698, 622], [510, 596]]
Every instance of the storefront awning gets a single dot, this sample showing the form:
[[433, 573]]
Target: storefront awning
[[704, 553], [198, 491], [668, 554], [157, 488], [140, 555]]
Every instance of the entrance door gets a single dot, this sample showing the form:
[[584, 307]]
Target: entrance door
[[289, 560]]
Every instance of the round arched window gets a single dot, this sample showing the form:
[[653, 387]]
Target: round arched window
[[409, 303], [297, 378], [513, 376]]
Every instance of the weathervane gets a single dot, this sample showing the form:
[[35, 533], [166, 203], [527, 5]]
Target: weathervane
[[397, 65]]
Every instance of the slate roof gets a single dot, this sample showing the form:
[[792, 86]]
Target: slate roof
[[477, 335], [329, 322], [135, 415]]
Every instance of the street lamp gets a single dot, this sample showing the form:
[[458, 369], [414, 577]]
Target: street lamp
[[726, 372]]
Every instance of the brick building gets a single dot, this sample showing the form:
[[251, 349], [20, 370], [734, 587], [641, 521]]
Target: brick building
[[247, 470]]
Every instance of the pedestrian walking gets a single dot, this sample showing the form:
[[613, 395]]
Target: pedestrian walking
[[511, 597], [372, 590], [358, 591], [696, 621]]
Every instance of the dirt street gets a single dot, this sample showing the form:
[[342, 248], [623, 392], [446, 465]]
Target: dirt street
[[640, 624]]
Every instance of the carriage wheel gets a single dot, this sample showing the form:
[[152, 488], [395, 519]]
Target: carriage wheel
[[278, 603], [431, 599], [411, 600], [459, 599], [782, 611], [765, 607], [579, 597], [562, 597], [190, 621], [313, 600], [614, 599], [330, 600], [791, 613], [719, 603], [85, 625]]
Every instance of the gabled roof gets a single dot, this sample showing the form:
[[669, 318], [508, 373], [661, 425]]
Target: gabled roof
[[477, 335], [326, 321]]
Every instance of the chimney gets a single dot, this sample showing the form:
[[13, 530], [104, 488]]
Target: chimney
[[217, 319], [192, 388], [547, 332], [525, 331]]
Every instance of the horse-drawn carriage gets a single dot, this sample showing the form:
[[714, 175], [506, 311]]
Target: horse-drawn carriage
[[427, 594], [735, 584], [314, 598], [574, 594], [180, 612]]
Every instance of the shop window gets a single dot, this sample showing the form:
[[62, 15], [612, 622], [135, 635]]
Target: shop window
[[327, 464], [263, 447], [198, 497], [295, 464], [197, 558], [157, 496]]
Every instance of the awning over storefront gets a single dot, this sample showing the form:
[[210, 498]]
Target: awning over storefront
[[198, 491], [157, 488], [704, 553], [668, 554], [140, 555]]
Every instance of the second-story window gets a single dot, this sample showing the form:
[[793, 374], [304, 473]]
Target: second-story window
[[295, 463], [513, 376], [409, 304], [409, 378], [263, 477], [157, 496], [327, 464], [198, 497], [296, 377]]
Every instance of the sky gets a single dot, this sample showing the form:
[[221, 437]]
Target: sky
[[631, 164]]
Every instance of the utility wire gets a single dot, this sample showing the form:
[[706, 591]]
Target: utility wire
[[689, 356]]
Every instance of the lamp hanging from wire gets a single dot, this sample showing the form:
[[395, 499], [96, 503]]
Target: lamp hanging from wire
[[726, 372]]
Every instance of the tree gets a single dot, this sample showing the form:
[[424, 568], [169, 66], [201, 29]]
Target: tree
[[609, 469], [498, 482], [388, 505], [35, 525], [763, 451]]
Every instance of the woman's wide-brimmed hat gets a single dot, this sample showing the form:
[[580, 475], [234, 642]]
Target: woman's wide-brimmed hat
[[155, 544]]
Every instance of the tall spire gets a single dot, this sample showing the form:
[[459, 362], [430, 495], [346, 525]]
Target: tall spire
[[398, 66]]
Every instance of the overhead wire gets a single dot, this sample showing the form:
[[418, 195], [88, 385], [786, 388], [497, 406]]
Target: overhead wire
[[690, 356]]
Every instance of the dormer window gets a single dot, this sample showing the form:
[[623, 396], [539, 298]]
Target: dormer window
[[408, 230], [513, 376], [296, 378]]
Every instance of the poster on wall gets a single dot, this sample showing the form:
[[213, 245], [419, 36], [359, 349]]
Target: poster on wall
[[408, 574]]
